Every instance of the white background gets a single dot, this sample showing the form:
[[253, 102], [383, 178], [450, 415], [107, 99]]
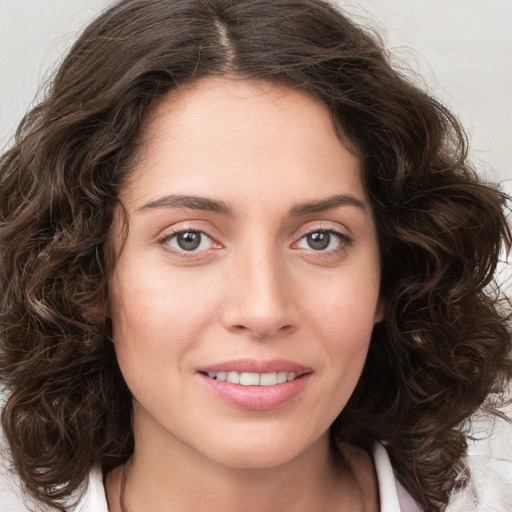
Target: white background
[[461, 47]]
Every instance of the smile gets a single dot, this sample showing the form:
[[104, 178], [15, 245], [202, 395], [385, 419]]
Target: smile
[[256, 385], [254, 379]]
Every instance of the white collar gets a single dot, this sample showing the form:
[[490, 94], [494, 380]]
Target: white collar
[[393, 497], [94, 499]]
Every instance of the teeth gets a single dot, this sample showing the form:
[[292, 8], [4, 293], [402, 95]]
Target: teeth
[[233, 377], [282, 377], [268, 379], [253, 379], [249, 379]]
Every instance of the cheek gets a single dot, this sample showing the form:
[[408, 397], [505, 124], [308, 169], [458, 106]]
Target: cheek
[[343, 316], [153, 298], [347, 303], [156, 318]]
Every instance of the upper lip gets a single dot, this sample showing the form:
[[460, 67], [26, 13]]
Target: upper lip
[[256, 366]]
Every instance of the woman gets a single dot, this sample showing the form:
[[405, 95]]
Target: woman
[[241, 255]]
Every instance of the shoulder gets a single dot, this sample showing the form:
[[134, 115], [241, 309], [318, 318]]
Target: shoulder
[[94, 499], [489, 488], [11, 496], [489, 461]]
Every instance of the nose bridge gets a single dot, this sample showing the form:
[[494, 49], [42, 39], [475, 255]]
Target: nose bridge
[[260, 301]]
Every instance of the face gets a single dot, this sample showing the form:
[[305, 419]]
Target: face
[[244, 299]]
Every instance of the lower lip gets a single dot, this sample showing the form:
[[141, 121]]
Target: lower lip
[[257, 398]]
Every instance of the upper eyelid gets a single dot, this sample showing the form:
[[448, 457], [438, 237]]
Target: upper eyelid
[[304, 231], [310, 227], [168, 236], [185, 226], [342, 236]]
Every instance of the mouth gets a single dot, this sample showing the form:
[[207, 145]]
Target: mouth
[[256, 385], [253, 379]]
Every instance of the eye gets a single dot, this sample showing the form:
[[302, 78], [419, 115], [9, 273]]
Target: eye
[[189, 241], [321, 240]]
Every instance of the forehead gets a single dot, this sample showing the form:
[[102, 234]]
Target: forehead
[[219, 133], [222, 104]]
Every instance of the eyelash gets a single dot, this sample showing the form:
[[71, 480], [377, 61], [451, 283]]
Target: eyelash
[[344, 241], [164, 241]]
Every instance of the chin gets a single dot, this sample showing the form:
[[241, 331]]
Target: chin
[[264, 449], [256, 458]]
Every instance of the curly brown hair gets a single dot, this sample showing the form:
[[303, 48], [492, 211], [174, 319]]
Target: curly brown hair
[[443, 348]]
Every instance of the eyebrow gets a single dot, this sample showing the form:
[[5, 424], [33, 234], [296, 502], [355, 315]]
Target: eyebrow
[[327, 204], [192, 202], [213, 205]]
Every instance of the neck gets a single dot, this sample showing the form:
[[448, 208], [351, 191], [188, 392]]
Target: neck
[[176, 477]]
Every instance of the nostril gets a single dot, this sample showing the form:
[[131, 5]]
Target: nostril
[[261, 333]]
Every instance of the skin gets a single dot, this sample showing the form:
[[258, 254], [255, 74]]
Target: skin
[[255, 288]]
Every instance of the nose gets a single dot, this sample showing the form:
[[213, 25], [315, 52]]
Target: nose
[[260, 299]]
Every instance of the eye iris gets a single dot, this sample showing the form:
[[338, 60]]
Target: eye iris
[[319, 240], [189, 240]]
